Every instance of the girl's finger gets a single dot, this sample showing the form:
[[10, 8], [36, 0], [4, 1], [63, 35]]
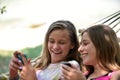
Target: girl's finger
[[65, 67]]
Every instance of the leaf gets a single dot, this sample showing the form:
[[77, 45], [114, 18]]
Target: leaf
[[3, 9]]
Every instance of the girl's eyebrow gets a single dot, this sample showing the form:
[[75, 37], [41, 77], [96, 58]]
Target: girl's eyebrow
[[82, 40]]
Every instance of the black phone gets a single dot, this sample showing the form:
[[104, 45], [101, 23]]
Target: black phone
[[20, 57], [66, 63]]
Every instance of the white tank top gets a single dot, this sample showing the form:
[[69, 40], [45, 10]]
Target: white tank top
[[52, 72]]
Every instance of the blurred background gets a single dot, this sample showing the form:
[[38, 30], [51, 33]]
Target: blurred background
[[23, 23]]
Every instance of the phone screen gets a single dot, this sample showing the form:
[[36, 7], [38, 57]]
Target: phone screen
[[20, 58]]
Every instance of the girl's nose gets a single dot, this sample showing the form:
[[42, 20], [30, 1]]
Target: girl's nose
[[56, 46], [80, 49]]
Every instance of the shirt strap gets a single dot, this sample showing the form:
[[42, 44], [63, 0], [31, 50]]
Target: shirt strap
[[110, 74]]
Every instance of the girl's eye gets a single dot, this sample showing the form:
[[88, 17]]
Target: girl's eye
[[61, 42], [85, 43], [51, 41]]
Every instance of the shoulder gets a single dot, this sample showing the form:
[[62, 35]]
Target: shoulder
[[115, 75], [38, 71]]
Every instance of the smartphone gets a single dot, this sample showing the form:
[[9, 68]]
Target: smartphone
[[20, 58], [67, 63]]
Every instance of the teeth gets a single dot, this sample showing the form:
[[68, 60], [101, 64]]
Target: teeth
[[83, 55], [56, 52]]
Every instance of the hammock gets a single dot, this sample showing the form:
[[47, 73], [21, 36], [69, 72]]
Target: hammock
[[113, 20]]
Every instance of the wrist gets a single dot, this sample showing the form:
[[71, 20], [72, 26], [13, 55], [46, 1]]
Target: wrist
[[14, 78]]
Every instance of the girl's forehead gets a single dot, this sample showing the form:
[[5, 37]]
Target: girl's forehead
[[85, 35], [59, 33]]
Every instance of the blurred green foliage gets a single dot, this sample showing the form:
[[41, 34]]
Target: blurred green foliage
[[32, 52], [5, 56], [3, 9]]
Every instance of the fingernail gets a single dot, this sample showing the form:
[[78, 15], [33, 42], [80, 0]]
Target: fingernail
[[20, 67], [19, 61]]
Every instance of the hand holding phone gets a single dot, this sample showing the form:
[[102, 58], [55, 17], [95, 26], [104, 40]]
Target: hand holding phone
[[72, 63]]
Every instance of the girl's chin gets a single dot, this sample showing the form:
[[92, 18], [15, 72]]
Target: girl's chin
[[85, 62], [56, 61]]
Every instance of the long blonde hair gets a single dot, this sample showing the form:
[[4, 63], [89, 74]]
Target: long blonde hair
[[45, 59]]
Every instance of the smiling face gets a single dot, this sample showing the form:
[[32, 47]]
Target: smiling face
[[87, 50], [59, 45]]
